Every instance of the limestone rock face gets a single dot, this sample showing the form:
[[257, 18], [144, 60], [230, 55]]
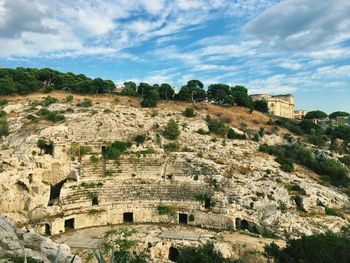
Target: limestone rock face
[[247, 188], [17, 243]]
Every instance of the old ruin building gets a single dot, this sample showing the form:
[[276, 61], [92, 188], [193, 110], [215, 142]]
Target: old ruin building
[[279, 105]]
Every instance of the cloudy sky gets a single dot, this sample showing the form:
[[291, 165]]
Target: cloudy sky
[[270, 46]]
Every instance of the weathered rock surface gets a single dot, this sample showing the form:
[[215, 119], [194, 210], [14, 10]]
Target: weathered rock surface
[[17, 243]]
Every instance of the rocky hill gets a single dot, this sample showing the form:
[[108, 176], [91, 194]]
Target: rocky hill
[[54, 177]]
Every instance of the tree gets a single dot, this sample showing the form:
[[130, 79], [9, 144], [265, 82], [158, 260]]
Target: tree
[[220, 93], [130, 89], [171, 130], [150, 95], [317, 114], [241, 97], [261, 105], [336, 114], [192, 91], [166, 92], [321, 248]]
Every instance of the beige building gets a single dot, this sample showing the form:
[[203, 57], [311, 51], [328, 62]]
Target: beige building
[[280, 105], [300, 114]]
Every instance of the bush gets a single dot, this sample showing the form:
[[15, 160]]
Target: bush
[[139, 139], [216, 126], [86, 103], [189, 112], [83, 150], [32, 118], [295, 188], [331, 212], [286, 164], [69, 98], [172, 147], [321, 248], [204, 254], [94, 159], [48, 101], [231, 134], [171, 130], [3, 102], [42, 112], [4, 127], [2, 113], [202, 131], [299, 202], [54, 117], [115, 149], [164, 210]]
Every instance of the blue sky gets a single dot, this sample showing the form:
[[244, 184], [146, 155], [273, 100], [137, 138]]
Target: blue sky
[[269, 46]]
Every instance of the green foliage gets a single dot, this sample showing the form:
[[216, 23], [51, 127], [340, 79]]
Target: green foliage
[[321, 248], [171, 130], [93, 197], [54, 117], [83, 150], [130, 89], [261, 105], [240, 95], [2, 113], [94, 159], [4, 127], [32, 118], [164, 210], [202, 131], [336, 114], [231, 134], [166, 92], [86, 103], [48, 101], [189, 112], [42, 112], [331, 212], [108, 173], [216, 126], [220, 94], [317, 114], [286, 164], [3, 102], [295, 188], [115, 149], [329, 169], [192, 91], [340, 132], [204, 254], [150, 95], [299, 202], [139, 139], [172, 147], [69, 98]]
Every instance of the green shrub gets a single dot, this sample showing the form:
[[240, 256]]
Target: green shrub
[[54, 117], [69, 98], [32, 118], [171, 130], [189, 112], [231, 134], [164, 210], [48, 101], [69, 110], [216, 126], [331, 212], [321, 248], [203, 253], [86, 103], [203, 132], [285, 164], [299, 202], [3, 102], [295, 188], [115, 149], [2, 113], [83, 150], [139, 139], [4, 127], [94, 159], [42, 112], [172, 147], [108, 173]]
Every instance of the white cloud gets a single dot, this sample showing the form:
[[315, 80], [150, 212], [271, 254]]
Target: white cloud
[[302, 24]]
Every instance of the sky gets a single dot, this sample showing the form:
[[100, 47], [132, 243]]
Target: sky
[[270, 46]]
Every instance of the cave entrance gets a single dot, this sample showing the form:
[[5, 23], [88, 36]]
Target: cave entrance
[[238, 223], [244, 224], [128, 217], [183, 218], [47, 230], [207, 203], [173, 254], [69, 224], [55, 191]]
